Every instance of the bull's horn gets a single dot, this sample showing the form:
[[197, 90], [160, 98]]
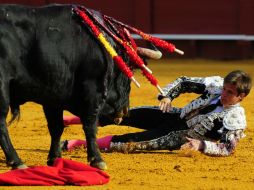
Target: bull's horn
[[149, 53]]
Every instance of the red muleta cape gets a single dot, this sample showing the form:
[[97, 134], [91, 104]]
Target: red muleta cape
[[63, 172]]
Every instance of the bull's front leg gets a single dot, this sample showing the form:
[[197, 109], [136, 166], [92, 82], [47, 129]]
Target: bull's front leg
[[55, 125], [12, 158], [92, 98], [93, 152]]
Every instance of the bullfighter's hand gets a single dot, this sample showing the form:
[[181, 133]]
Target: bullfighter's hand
[[165, 105], [193, 144]]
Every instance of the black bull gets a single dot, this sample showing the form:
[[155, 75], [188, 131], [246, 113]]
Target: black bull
[[49, 57]]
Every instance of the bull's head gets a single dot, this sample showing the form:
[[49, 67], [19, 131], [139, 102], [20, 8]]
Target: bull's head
[[117, 102]]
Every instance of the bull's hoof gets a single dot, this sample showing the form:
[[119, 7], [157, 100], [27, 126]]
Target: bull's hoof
[[16, 165], [22, 166], [100, 165], [51, 162]]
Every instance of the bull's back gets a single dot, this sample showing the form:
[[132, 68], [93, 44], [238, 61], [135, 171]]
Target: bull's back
[[46, 46], [71, 54]]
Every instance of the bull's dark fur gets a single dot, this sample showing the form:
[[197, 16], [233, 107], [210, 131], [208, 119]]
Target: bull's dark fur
[[49, 57]]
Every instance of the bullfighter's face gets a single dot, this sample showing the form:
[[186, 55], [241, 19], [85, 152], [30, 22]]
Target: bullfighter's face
[[230, 96]]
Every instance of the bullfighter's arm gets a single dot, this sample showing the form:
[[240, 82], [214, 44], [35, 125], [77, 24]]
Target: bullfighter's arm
[[223, 148], [196, 85], [234, 124]]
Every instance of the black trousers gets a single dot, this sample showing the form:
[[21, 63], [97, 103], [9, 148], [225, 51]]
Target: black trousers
[[154, 122]]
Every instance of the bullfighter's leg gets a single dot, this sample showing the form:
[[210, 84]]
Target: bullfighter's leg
[[12, 158], [172, 141], [151, 117], [154, 121], [56, 127]]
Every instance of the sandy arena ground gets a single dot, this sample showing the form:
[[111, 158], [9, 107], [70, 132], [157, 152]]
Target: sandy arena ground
[[148, 170]]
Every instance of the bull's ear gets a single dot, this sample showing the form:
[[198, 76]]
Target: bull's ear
[[149, 53]]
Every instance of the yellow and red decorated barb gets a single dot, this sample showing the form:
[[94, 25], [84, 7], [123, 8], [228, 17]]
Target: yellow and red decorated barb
[[126, 41], [129, 46], [156, 41]]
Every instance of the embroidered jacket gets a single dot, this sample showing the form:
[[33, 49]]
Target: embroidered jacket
[[220, 129]]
